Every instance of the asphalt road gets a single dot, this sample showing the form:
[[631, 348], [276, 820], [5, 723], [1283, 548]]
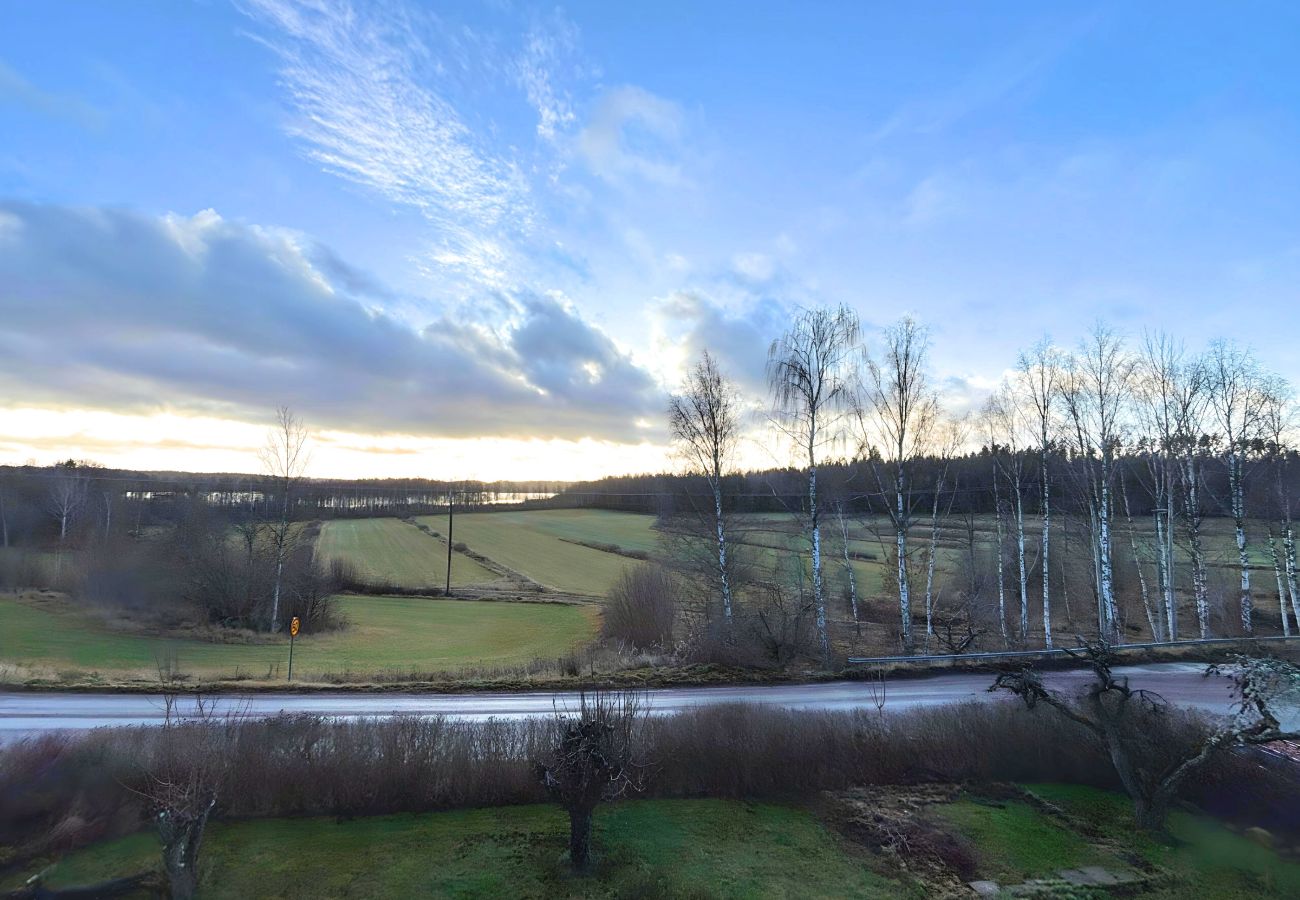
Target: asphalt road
[[23, 714]]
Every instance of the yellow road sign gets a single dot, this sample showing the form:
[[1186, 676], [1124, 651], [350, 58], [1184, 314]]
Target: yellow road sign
[[293, 627]]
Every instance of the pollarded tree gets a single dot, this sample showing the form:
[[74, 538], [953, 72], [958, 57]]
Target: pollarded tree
[[594, 761], [705, 422], [285, 458], [811, 373], [897, 415]]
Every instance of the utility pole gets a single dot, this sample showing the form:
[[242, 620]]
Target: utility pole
[[451, 520]]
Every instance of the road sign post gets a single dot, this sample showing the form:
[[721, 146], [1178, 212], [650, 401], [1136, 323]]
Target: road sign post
[[293, 633]]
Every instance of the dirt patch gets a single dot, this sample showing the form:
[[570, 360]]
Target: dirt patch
[[891, 821]]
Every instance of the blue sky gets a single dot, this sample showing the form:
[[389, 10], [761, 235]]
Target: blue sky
[[508, 225]]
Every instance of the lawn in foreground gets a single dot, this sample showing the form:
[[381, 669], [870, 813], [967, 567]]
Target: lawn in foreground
[[390, 551], [384, 634], [649, 848]]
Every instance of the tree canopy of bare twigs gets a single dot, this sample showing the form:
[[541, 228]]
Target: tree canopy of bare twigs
[[810, 371]]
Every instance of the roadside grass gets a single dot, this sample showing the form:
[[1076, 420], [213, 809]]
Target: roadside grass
[[384, 634], [518, 542], [647, 848], [389, 551]]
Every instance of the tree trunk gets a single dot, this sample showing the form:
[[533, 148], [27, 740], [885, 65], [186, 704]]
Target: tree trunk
[[1152, 618], [1106, 576], [848, 570], [1020, 562], [1239, 526], [818, 600], [181, 837], [1046, 542], [1288, 551], [1281, 583], [722, 553], [580, 839], [930, 563]]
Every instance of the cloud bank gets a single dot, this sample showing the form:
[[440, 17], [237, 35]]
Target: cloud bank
[[117, 310]]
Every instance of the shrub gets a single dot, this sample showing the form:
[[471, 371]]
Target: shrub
[[641, 608]]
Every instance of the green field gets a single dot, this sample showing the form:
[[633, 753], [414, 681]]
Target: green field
[[697, 848], [384, 634], [392, 552], [538, 544]]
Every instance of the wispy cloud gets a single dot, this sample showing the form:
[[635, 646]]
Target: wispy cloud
[[635, 136], [363, 86], [16, 88]]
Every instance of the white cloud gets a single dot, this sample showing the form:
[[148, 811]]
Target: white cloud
[[635, 136], [366, 108]]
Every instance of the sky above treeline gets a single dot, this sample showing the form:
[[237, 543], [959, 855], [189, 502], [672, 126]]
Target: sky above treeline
[[483, 239]]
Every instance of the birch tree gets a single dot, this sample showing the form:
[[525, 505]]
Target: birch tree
[[898, 415], [1237, 399], [1006, 425], [810, 371], [284, 458], [705, 423], [948, 443], [1278, 420], [1169, 389], [1038, 374], [1095, 388]]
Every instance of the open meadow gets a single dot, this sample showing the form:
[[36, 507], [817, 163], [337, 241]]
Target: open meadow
[[392, 552], [383, 635]]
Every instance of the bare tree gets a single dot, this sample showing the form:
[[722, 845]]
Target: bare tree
[[180, 784], [810, 371], [1237, 399], [705, 422], [1170, 393], [1038, 374], [594, 761], [897, 416], [1095, 388], [285, 459], [951, 436], [1278, 422], [1113, 713], [1006, 422]]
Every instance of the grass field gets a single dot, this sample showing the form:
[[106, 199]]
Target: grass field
[[390, 551], [533, 544], [681, 848], [694, 848], [384, 634]]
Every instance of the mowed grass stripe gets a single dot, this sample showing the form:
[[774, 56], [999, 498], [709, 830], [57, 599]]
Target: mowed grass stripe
[[383, 634], [630, 531], [389, 551], [513, 540]]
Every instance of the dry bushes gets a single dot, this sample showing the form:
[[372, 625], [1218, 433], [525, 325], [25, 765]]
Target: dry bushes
[[641, 608], [58, 792]]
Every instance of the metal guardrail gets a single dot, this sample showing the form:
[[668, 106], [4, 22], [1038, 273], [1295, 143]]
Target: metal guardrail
[[1023, 654]]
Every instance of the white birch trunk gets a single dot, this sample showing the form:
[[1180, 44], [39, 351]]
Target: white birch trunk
[[1020, 561], [929, 566], [1046, 541], [1281, 584], [1106, 584], [848, 571], [722, 552], [818, 600], [1152, 618], [1239, 525], [1288, 551]]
